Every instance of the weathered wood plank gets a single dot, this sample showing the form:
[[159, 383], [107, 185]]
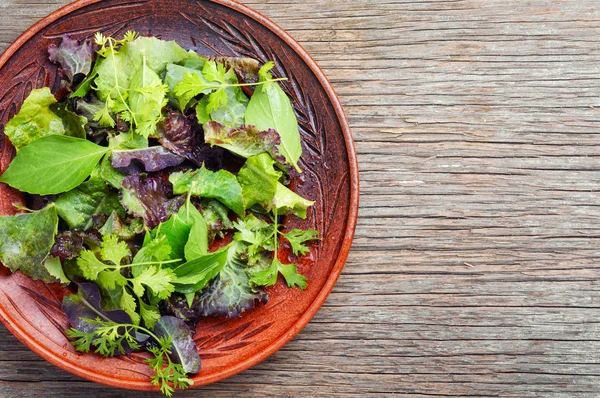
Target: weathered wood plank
[[475, 267]]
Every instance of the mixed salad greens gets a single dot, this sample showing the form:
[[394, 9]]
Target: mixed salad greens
[[156, 188]]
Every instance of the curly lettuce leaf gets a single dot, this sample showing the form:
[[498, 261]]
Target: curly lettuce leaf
[[149, 198], [245, 141], [34, 120], [258, 179], [230, 293], [73, 56], [220, 185], [183, 136], [27, 240], [290, 202]]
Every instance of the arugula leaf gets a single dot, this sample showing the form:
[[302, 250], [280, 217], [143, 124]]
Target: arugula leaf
[[34, 120], [73, 56], [27, 240], [220, 185], [53, 164], [258, 180], [286, 200], [78, 206], [297, 238], [270, 108]]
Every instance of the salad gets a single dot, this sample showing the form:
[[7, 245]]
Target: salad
[[155, 188]]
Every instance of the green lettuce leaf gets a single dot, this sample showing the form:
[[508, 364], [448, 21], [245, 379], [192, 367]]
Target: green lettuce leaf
[[78, 206], [34, 120], [258, 180], [290, 202], [270, 108], [220, 185], [27, 240]]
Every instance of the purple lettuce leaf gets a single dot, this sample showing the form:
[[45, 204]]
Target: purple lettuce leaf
[[86, 304], [150, 198], [73, 56], [246, 69], [183, 136], [245, 141], [183, 349], [150, 159]]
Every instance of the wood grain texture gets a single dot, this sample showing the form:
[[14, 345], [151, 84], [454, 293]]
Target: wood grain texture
[[475, 267]]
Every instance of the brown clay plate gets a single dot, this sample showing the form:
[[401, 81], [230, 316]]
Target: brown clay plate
[[31, 310]]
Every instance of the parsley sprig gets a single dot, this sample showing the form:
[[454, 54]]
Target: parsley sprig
[[110, 338]]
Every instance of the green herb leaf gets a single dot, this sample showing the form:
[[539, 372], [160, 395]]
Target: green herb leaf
[[258, 180], [34, 120], [53, 164], [288, 201], [27, 240], [220, 185], [54, 267], [270, 108], [298, 237], [268, 277], [195, 274], [78, 206]]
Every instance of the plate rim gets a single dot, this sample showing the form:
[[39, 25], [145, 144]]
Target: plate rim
[[321, 297]]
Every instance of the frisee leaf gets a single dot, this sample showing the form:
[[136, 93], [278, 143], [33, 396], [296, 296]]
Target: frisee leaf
[[53, 164]]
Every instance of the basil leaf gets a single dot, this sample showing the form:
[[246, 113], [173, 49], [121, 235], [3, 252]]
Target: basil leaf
[[27, 240], [53, 164], [270, 108]]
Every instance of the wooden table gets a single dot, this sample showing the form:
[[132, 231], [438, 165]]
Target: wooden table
[[474, 270]]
